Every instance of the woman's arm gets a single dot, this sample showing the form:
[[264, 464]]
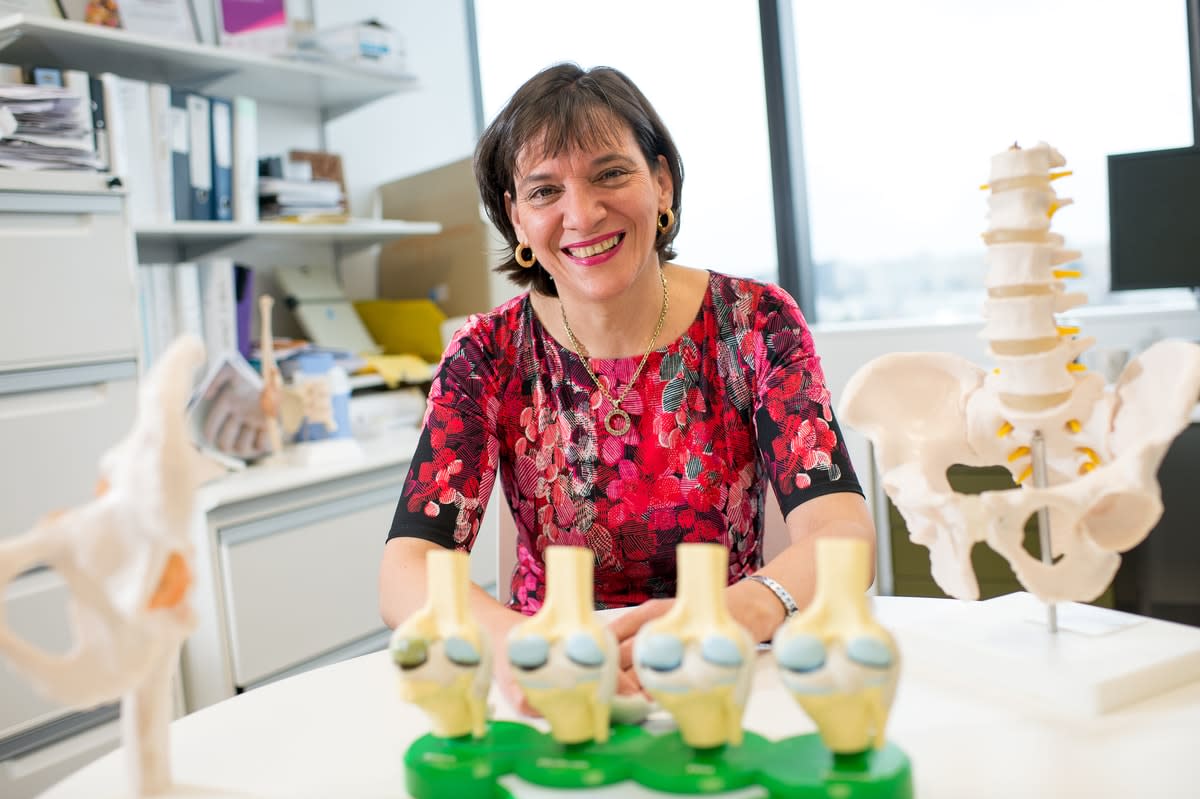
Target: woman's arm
[[402, 588], [752, 604], [841, 515], [402, 592], [805, 454]]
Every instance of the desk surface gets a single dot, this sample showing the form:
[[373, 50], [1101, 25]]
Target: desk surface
[[390, 449], [341, 731]]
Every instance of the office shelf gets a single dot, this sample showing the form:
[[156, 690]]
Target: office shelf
[[334, 89], [79, 221], [359, 232]]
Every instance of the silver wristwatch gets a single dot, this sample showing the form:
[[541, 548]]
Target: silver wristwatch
[[789, 604]]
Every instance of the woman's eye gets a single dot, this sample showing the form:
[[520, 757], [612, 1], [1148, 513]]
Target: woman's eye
[[612, 174], [542, 193]]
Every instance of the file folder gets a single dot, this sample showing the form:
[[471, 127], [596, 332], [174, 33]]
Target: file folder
[[100, 123], [200, 171], [245, 159], [181, 155], [222, 158]]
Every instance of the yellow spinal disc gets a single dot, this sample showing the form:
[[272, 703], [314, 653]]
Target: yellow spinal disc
[[1076, 367], [1021, 478], [996, 371], [1089, 453], [1064, 173], [1086, 467], [1067, 330], [1062, 274], [1018, 453], [1074, 426], [1004, 430]]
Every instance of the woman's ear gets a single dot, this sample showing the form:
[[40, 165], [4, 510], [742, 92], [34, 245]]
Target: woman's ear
[[666, 184]]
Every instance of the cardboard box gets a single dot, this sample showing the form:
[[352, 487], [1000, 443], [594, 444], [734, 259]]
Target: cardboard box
[[370, 42], [454, 266]]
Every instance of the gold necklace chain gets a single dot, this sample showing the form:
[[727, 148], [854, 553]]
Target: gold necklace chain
[[585, 358]]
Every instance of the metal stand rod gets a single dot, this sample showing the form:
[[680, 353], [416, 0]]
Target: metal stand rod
[[1037, 452]]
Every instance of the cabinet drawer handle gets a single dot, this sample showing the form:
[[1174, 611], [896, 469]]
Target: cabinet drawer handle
[[34, 403], [61, 205]]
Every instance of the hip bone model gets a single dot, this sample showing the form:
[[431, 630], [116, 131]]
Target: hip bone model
[[1087, 452], [126, 559]]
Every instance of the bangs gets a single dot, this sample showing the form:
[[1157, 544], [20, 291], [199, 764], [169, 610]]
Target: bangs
[[565, 123]]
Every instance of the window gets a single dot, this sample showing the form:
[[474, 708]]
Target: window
[[901, 104], [701, 67]]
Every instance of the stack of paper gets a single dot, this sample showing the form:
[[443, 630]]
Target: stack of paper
[[41, 128], [280, 198]]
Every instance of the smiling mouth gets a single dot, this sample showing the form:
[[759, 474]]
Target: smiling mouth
[[595, 249]]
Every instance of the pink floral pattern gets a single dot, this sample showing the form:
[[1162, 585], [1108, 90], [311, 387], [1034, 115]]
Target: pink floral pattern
[[736, 402]]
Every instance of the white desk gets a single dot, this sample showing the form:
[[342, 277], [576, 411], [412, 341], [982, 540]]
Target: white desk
[[341, 731]]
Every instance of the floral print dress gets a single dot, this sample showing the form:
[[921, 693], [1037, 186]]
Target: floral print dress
[[737, 402]]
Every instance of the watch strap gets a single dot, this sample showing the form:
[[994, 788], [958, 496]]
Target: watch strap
[[781, 593]]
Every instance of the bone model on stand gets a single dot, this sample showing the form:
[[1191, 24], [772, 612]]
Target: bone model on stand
[[443, 654], [696, 660], [286, 408], [1085, 455], [836, 660], [125, 558], [563, 659], [272, 392]]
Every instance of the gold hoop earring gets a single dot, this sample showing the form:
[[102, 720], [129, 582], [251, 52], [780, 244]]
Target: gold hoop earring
[[524, 260], [666, 220]]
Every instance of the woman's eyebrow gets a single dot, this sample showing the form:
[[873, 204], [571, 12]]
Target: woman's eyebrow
[[534, 177], [609, 158], [598, 161]]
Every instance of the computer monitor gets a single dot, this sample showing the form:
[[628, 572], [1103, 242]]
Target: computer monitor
[[1154, 219]]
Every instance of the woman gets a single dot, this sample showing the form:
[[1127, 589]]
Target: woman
[[629, 403]]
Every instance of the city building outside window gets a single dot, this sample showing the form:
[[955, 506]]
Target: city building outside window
[[902, 103], [900, 106]]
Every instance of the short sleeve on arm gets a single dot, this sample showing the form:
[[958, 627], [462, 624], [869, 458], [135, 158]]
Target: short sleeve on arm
[[454, 465], [798, 436]]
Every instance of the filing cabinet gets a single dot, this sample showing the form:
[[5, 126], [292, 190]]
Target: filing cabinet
[[68, 391]]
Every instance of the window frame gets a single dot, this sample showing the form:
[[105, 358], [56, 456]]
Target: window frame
[[796, 272]]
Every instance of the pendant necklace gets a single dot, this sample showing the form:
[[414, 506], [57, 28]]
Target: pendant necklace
[[617, 413]]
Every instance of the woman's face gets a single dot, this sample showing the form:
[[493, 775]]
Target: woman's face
[[591, 216]]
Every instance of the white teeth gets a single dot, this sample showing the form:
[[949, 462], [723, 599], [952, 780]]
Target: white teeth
[[595, 249]]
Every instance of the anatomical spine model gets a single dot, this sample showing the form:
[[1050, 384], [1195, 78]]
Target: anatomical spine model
[[125, 557], [695, 660], [925, 412], [564, 660], [834, 657], [443, 654]]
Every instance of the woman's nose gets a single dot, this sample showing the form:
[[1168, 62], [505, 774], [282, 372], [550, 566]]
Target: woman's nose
[[583, 208]]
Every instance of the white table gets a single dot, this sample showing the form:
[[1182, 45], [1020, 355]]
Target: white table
[[341, 731]]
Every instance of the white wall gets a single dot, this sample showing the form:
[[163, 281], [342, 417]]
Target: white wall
[[397, 136], [414, 131], [409, 132], [394, 137]]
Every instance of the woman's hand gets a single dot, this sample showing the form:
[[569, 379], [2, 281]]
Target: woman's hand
[[507, 683], [502, 670], [625, 627]]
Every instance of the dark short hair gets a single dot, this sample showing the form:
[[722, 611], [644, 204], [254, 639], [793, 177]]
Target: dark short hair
[[567, 107]]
